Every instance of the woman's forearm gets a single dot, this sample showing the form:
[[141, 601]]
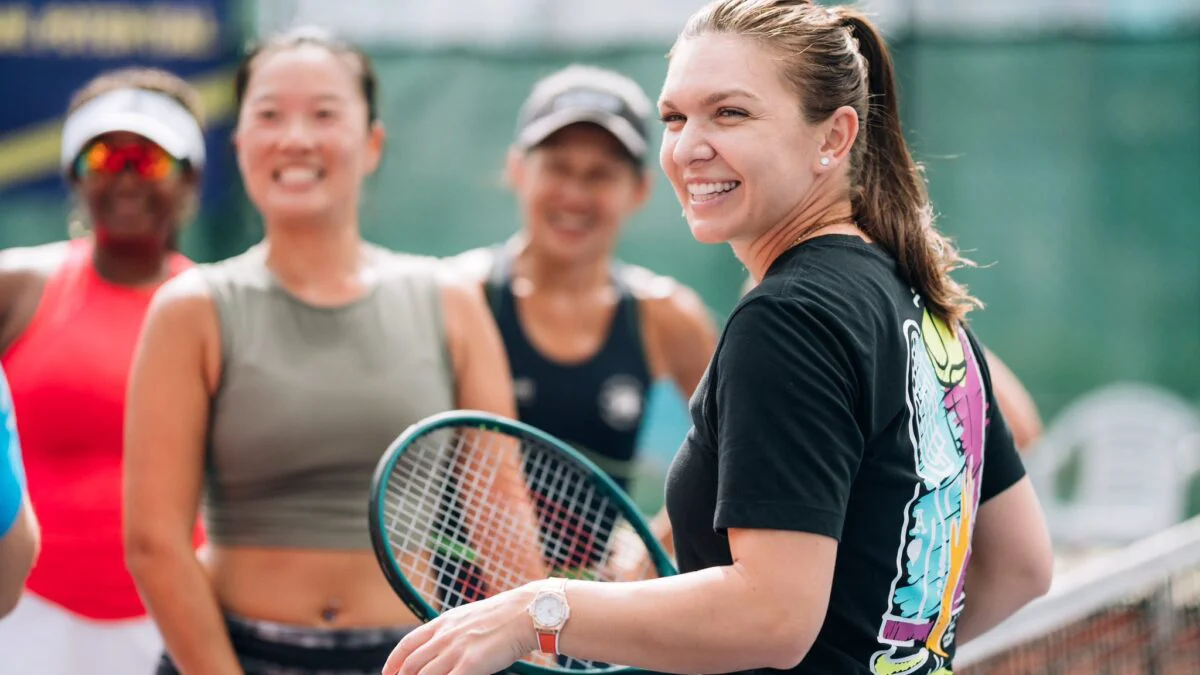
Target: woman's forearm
[[180, 598], [713, 620], [990, 602], [986, 610]]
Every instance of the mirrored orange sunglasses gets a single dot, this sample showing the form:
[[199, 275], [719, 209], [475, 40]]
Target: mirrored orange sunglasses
[[147, 160]]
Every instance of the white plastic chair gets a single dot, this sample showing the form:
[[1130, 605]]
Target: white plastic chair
[[1135, 449]]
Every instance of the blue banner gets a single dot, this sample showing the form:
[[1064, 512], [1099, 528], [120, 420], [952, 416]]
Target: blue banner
[[49, 50]]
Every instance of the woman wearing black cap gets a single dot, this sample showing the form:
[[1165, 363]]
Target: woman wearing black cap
[[586, 334], [70, 312]]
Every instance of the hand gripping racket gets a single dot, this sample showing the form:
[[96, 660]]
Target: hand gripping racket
[[466, 504]]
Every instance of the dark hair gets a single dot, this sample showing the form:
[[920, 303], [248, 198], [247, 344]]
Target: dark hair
[[299, 37], [834, 57], [150, 79]]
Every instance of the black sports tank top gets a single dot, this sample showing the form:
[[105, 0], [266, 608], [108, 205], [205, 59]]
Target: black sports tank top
[[596, 405]]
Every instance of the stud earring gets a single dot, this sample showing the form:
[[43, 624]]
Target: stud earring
[[824, 161]]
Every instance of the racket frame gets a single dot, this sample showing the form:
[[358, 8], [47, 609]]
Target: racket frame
[[486, 421]]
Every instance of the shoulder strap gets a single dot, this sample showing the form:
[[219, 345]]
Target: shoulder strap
[[496, 283], [628, 308], [74, 270], [229, 282], [178, 263]]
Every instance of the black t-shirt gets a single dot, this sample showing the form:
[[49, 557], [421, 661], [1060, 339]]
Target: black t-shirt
[[837, 405]]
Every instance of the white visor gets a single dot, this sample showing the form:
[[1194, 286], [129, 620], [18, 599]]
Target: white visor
[[149, 114]]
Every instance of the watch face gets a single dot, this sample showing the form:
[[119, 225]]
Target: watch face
[[548, 610]]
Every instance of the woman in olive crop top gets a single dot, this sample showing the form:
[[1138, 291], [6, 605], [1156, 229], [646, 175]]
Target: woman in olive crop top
[[272, 382]]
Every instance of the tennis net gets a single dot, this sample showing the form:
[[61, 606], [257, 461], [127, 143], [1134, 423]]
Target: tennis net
[[1132, 611]]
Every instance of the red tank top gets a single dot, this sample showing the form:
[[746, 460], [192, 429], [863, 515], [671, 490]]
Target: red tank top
[[68, 372]]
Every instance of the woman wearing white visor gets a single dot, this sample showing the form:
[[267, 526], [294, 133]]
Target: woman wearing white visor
[[70, 313]]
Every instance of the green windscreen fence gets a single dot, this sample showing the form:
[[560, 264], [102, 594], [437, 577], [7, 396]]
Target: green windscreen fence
[[1069, 168]]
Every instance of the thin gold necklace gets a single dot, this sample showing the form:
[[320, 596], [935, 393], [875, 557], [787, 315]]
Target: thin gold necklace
[[807, 234]]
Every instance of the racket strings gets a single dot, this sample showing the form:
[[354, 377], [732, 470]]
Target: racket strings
[[573, 518], [455, 545], [427, 517]]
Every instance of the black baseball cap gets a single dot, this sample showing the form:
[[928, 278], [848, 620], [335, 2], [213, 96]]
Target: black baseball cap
[[586, 94]]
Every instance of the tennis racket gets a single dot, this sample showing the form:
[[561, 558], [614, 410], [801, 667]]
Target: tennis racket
[[466, 504]]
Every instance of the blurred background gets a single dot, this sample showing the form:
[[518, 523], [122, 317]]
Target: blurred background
[[1061, 140]]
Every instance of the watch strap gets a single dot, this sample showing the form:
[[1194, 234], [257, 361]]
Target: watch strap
[[548, 642]]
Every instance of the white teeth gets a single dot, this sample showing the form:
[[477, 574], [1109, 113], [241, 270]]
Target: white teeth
[[703, 189], [571, 222], [294, 175]]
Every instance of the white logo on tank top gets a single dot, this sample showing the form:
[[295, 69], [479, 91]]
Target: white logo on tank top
[[525, 390], [620, 402]]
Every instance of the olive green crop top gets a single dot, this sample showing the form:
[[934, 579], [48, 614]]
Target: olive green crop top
[[310, 398]]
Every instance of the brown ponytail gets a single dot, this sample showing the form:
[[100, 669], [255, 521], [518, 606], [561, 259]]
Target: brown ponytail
[[835, 57], [890, 199]]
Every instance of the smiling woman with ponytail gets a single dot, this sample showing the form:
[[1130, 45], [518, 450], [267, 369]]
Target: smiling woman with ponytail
[[849, 499]]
